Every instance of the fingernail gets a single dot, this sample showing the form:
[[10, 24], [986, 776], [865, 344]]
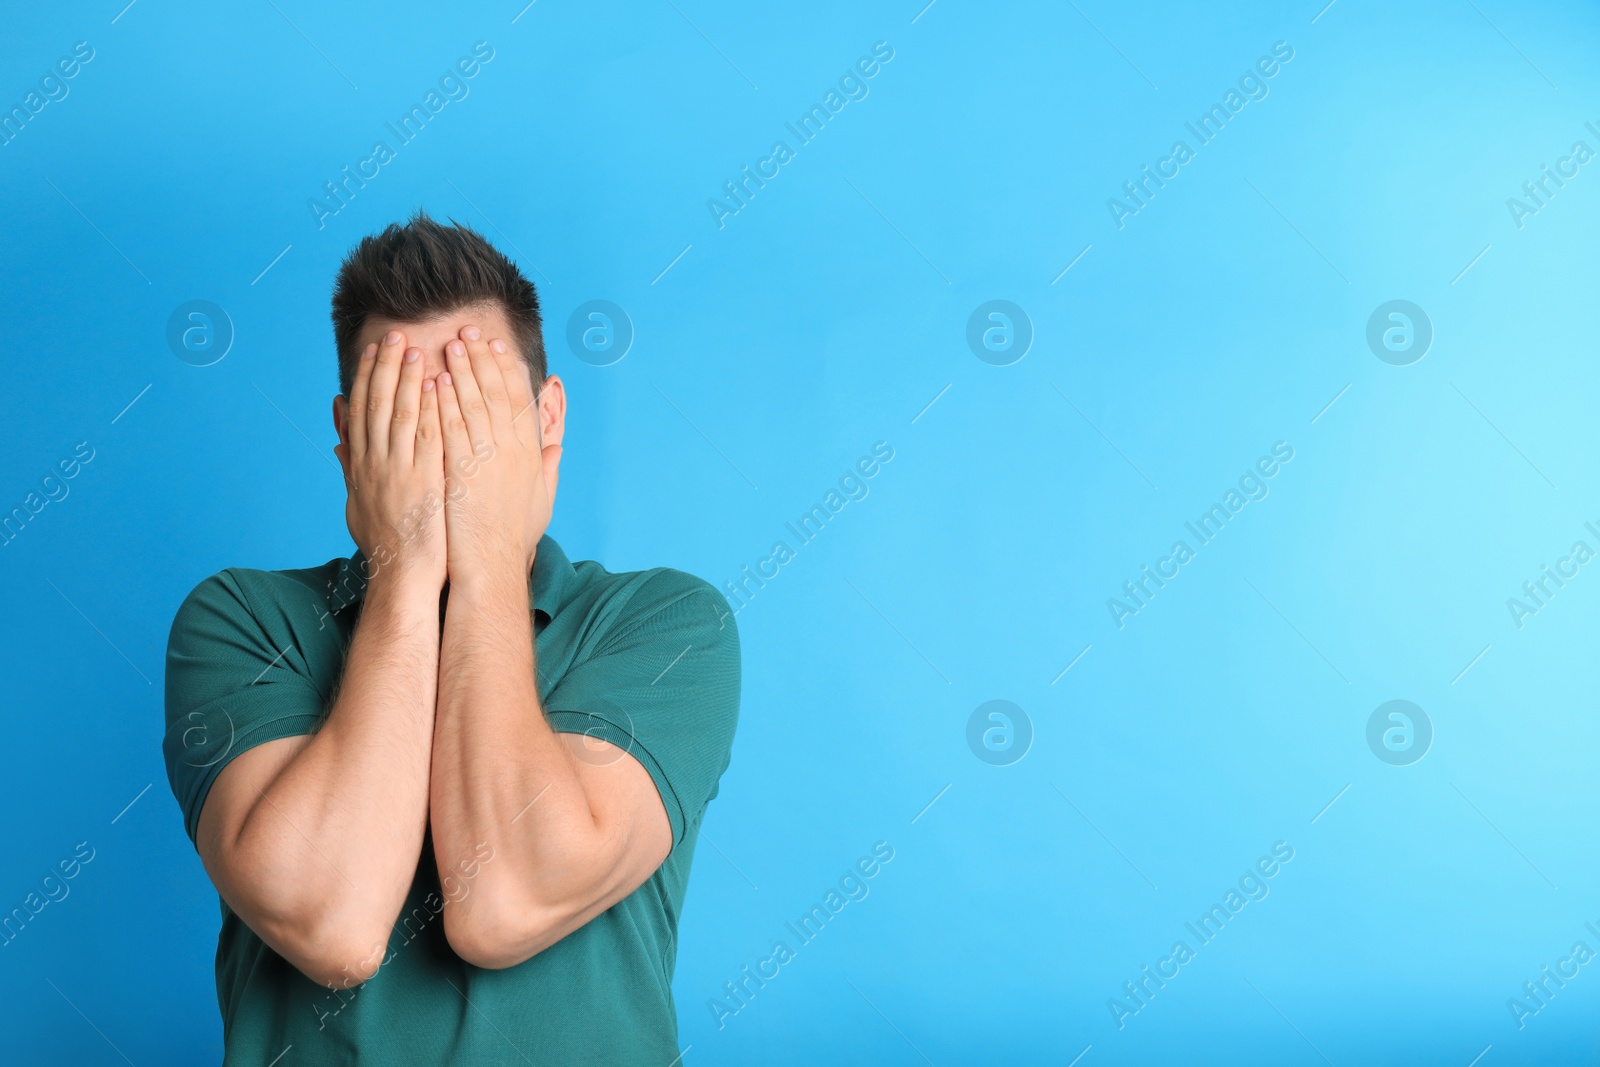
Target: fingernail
[[427, 385], [412, 354], [392, 337], [456, 348], [471, 333], [371, 351], [498, 345], [444, 379]]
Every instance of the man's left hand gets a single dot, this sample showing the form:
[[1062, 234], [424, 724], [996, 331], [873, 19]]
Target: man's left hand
[[500, 479]]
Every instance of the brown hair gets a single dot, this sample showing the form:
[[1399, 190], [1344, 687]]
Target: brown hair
[[423, 270]]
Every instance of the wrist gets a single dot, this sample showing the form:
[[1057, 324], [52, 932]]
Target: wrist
[[499, 580], [403, 589]]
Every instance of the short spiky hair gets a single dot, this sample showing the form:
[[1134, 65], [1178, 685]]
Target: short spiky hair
[[422, 270]]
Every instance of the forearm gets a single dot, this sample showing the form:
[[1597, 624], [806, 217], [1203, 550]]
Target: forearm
[[331, 846], [501, 776]]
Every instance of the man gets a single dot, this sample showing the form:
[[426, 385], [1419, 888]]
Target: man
[[448, 788]]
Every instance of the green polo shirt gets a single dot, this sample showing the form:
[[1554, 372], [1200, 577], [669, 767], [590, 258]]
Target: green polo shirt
[[648, 660]]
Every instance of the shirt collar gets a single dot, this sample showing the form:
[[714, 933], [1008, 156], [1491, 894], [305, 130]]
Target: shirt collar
[[548, 587], [552, 579]]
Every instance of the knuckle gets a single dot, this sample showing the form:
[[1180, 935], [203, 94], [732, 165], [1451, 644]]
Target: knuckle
[[374, 405]]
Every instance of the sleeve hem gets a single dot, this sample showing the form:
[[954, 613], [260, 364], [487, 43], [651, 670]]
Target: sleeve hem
[[581, 722], [258, 734]]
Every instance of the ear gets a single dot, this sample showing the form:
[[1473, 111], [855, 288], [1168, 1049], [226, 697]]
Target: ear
[[552, 410]]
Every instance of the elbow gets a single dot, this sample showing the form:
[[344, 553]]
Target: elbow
[[335, 938], [337, 960], [503, 920], [484, 949], [334, 948], [495, 938]]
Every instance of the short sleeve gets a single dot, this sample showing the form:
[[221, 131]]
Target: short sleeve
[[663, 685], [232, 683]]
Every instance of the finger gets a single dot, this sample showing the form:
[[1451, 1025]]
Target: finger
[[380, 392], [486, 369], [430, 445], [518, 379], [357, 428], [407, 402], [452, 431], [474, 408]]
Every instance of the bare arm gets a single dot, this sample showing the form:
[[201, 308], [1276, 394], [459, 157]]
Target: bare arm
[[314, 841], [575, 824]]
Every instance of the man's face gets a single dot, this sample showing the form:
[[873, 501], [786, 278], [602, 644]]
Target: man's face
[[431, 337]]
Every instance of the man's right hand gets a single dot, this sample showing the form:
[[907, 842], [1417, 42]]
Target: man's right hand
[[314, 839], [394, 466]]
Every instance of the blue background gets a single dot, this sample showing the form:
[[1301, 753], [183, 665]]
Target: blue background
[[770, 354]]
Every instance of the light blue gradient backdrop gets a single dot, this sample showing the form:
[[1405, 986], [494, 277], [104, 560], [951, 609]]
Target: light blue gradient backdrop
[[822, 318]]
